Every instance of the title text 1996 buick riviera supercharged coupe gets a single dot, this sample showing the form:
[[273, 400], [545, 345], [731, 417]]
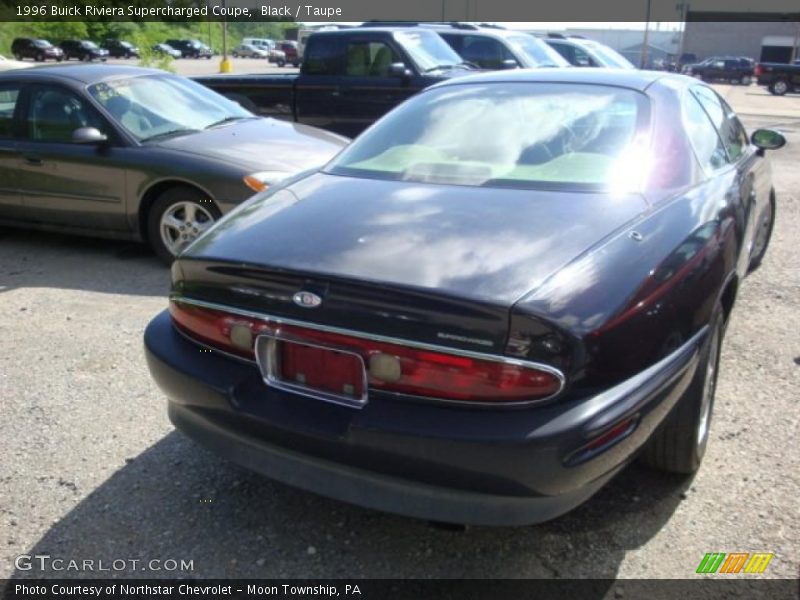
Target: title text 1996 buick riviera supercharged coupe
[[495, 298]]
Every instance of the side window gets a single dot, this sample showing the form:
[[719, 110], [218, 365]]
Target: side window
[[725, 120], [485, 52], [702, 134], [54, 113], [321, 56], [565, 51], [369, 59], [582, 58], [9, 95]]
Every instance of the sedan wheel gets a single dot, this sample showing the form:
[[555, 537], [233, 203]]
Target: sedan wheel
[[746, 80], [177, 218], [678, 446]]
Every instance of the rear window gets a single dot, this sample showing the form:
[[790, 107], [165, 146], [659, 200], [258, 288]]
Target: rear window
[[506, 135]]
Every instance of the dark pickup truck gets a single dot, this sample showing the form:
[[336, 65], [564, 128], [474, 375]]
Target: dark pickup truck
[[349, 78], [722, 68], [779, 78]]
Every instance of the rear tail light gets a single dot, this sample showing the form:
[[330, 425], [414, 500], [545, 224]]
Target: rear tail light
[[759, 70], [391, 367]]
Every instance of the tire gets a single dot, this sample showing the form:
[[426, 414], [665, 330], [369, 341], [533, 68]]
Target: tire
[[779, 87], [60, 59], [176, 201], [281, 63], [18, 56], [679, 444], [762, 236], [235, 54], [39, 57], [746, 80]]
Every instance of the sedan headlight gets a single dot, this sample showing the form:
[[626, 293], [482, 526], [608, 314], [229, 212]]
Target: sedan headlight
[[260, 182]]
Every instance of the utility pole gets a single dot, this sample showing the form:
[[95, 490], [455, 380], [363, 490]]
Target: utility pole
[[645, 42]]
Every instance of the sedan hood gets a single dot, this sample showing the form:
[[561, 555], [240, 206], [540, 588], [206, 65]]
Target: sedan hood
[[492, 245], [261, 145]]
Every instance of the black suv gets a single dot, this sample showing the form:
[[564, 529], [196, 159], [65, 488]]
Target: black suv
[[120, 49], [83, 50], [38, 50], [726, 68], [191, 48]]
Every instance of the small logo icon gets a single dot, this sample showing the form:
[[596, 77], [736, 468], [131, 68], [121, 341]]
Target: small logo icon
[[734, 562], [307, 299]]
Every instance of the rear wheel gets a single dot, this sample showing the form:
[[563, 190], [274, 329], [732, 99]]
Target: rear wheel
[[679, 445], [177, 218], [18, 56], [40, 57], [779, 87], [746, 80]]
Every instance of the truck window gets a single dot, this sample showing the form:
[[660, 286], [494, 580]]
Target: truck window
[[485, 52], [322, 56], [369, 59]]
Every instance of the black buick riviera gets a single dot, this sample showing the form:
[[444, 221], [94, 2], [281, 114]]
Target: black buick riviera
[[493, 300]]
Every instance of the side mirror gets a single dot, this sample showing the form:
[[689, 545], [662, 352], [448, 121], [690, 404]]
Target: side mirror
[[399, 69], [768, 139], [88, 135], [509, 63]]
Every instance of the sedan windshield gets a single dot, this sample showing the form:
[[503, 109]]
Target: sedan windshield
[[506, 135], [428, 50], [42, 44], [540, 53], [154, 106]]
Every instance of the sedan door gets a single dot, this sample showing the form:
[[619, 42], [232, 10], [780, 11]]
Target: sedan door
[[66, 183], [10, 105]]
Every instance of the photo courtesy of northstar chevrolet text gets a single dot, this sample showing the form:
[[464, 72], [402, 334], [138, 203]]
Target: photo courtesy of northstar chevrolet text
[[390, 297]]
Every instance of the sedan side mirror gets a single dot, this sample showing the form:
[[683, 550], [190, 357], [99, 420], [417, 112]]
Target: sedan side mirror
[[88, 135], [399, 69], [509, 63], [768, 139]]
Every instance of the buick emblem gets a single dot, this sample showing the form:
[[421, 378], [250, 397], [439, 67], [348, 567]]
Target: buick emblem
[[307, 299]]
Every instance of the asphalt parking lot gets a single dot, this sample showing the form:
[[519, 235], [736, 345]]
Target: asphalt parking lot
[[91, 469]]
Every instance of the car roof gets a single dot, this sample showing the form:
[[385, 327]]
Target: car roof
[[85, 74], [629, 78]]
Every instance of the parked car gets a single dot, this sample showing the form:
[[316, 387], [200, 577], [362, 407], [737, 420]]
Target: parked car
[[289, 49], [492, 47], [349, 77], [121, 49], [135, 153], [191, 48], [720, 68], [581, 52], [83, 50], [7, 65], [676, 64], [779, 78], [481, 328], [248, 51], [38, 50], [166, 50]]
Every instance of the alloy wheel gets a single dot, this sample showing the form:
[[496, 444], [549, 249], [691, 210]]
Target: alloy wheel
[[182, 223], [709, 389]]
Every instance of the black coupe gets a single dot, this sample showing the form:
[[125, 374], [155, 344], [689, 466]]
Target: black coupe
[[494, 299]]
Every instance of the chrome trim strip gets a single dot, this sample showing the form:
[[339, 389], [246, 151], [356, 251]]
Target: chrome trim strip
[[399, 341]]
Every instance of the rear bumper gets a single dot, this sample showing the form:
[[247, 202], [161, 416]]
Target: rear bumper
[[490, 467]]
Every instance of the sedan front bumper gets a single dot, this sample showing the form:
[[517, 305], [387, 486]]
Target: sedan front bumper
[[444, 463]]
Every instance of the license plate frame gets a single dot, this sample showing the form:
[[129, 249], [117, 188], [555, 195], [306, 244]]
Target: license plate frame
[[267, 350]]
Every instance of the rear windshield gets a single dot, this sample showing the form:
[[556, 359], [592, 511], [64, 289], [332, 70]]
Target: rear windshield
[[506, 135]]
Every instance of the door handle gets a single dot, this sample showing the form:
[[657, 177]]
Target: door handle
[[33, 160]]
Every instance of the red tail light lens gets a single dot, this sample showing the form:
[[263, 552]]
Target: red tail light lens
[[392, 367], [759, 70]]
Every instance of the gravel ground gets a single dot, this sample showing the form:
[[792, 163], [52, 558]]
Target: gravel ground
[[90, 467]]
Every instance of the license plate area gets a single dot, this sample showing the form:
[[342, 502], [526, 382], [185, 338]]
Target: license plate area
[[329, 373]]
